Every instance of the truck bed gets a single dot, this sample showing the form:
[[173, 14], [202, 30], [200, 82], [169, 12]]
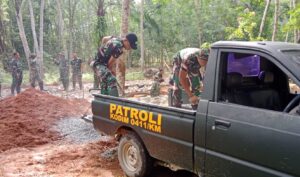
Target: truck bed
[[157, 126]]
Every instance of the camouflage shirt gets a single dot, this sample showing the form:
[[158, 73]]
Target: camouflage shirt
[[189, 61], [62, 63], [15, 66], [76, 65], [34, 64], [112, 48]]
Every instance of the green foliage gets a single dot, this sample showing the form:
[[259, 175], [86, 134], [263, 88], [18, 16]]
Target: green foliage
[[169, 25], [246, 26], [4, 15], [205, 45], [294, 22]]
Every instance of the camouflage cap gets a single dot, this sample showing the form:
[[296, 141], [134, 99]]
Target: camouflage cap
[[205, 53], [205, 49]]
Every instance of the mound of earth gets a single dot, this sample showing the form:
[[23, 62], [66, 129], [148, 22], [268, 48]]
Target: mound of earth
[[25, 119]]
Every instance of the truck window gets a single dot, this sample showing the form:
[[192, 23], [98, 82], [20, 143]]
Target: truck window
[[294, 88], [247, 65], [253, 80]]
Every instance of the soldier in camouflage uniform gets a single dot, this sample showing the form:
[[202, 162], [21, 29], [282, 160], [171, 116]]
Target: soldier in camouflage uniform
[[35, 74], [0, 82], [104, 40], [76, 71], [186, 65], [63, 64], [105, 59], [16, 72], [155, 88]]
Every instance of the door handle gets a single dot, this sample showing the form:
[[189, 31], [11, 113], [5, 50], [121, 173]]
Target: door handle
[[221, 124]]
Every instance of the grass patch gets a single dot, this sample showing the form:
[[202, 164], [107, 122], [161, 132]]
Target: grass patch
[[7, 78], [88, 77], [51, 78]]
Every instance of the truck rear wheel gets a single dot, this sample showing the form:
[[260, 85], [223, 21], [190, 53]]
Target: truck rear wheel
[[133, 157]]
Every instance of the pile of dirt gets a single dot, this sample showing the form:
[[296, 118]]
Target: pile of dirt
[[25, 119]]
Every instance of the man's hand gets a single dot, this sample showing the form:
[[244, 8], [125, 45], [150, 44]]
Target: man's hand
[[194, 100]]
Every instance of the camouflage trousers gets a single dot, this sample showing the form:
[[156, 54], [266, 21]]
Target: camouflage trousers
[[16, 82], [194, 80], [64, 77], [35, 76], [108, 82], [77, 77], [96, 81]]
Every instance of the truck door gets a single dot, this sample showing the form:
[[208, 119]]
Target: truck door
[[247, 132]]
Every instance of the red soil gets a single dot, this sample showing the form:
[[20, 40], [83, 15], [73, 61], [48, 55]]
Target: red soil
[[26, 118]]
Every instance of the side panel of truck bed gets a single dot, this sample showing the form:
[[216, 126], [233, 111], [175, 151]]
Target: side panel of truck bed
[[166, 132]]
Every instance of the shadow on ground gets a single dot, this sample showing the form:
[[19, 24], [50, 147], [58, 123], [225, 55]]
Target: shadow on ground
[[165, 172]]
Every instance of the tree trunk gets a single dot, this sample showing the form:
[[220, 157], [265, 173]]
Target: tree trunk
[[142, 36], [61, 37], [198, 13], [276, 13], [35, 41], [72, 9], [19, 18], [263, 20], [32, 20], [2, 36], [3, 33], [70, 31], [101, 24], [121, 68], [41, 38], [295, 30]]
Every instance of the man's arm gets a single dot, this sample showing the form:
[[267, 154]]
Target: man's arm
[[186, 86], [111, 62], [184, 82], [105, 39]]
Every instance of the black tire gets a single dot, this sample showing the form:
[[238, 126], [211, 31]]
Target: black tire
[[133, 157]]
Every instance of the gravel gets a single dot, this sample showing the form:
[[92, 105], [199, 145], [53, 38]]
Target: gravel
[[77, 130], [161, 100]]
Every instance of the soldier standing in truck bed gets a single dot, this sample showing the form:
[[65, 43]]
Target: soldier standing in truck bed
[[76, 71], [186, 65], [63, 64], [106, 57], [35, 72], [104, 40]]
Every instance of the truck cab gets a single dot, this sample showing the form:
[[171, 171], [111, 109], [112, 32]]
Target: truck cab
[[251, 113]]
